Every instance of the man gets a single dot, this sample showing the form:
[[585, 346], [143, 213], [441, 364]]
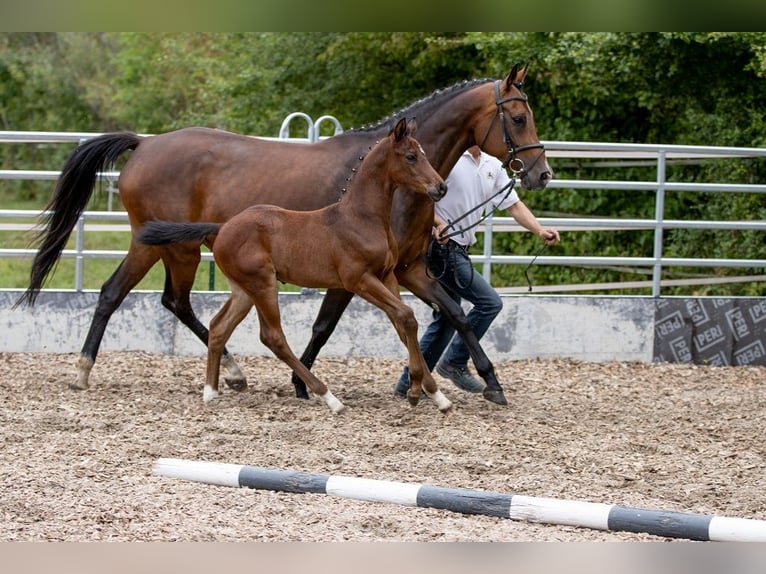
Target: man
[[477, 179]]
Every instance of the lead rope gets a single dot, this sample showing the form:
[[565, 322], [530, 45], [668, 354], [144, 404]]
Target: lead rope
[[526, 269], [451, 258], [507, 188]]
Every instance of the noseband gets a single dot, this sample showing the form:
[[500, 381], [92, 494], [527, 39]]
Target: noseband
[[511, 162]]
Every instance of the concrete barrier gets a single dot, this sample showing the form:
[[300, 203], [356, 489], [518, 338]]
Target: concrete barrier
[[587, 328]]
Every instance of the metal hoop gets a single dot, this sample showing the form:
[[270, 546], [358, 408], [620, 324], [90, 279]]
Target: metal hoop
[[516, 166]]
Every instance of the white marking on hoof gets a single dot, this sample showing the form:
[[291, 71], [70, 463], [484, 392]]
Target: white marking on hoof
[[335, 405], [441, 401], [84, 366], [208, 394]]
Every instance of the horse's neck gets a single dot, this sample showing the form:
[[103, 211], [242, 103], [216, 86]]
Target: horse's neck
[[447, 132], [370, 192], [446, 122]]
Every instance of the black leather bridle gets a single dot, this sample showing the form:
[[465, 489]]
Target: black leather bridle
[[512, 163]]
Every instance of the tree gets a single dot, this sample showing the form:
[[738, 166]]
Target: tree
[[674, 87]]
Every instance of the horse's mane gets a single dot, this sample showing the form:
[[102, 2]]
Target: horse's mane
[[409, 111], [453, 90]]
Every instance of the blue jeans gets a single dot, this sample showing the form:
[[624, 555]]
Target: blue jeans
[[452, 267]]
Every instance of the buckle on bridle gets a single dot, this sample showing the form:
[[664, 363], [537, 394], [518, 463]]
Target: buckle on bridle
[[516, 166]]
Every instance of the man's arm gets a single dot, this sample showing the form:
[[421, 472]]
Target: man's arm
[[524, 217]]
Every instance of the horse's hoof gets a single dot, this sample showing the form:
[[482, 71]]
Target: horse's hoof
[[75, 387], [238, 384], [301, 392], [208, 394], [493, 396], [336, 406], [442, 403], [413, 400]]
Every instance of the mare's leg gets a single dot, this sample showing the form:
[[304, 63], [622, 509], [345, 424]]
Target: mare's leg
[[181, 263], [333, 305], [131, 270], [222, 325], [430, 290], [386, 297]]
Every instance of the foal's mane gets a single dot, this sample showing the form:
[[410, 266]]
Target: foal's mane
[[421, 104]]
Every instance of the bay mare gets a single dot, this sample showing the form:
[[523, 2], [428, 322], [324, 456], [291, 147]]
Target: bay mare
[[199, 174], [347, 245]]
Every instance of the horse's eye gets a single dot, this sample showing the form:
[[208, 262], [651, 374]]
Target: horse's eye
[[411, 157], [519, 120]]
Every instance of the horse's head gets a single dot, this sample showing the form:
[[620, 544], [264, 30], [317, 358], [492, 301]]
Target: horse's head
[[410, 167], [510, 133]]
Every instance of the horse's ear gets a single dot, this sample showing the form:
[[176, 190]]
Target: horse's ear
[[400, 130], [516, 76], [412, 127]]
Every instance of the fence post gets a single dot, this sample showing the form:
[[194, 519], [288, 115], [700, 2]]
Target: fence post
[[487, 267], [79, 260], [659, 212]]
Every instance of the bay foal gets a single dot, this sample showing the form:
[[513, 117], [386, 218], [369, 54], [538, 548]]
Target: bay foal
[[348, 245]]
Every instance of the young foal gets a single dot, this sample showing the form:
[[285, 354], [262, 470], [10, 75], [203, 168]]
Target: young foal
[[346, 245]]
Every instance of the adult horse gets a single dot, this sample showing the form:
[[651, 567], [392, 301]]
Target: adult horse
[[198, 174], [347, 245]]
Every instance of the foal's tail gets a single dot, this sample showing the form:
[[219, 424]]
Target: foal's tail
[[165, 232], [70, 197]]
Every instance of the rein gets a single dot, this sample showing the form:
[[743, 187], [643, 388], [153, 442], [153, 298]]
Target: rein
[[507, 189]]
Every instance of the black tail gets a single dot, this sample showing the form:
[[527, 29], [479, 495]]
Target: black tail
[[70, 197], [165, 232]]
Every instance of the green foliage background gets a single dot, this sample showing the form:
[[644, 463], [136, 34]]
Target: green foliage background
[[649, 87]]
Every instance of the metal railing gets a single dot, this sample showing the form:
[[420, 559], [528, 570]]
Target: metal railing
[[648, 154]]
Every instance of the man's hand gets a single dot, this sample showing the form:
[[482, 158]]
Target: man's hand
[[550, 236], [440, 230]]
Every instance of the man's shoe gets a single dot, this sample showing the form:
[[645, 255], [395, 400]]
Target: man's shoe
[[403, 385], [461, 377]]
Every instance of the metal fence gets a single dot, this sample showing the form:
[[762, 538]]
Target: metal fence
[[648, 154], [655, 155]]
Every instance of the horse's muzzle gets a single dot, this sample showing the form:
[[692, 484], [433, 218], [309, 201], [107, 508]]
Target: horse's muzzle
[[534, 182], [438, 191]]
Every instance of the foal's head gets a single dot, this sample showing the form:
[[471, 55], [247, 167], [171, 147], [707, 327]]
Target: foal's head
[[408, 165]]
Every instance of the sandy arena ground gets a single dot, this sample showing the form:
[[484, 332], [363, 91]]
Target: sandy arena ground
[[77, 465]]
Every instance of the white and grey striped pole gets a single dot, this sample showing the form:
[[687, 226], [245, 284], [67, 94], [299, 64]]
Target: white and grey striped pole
[[598, 516]]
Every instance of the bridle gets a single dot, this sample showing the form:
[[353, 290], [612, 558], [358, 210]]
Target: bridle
[[511, 163]]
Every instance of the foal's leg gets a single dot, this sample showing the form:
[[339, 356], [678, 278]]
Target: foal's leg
[[262, 289], [131, 270], [333, 305], [222, 325], [181, 263], [431, 292], [386, 297]]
